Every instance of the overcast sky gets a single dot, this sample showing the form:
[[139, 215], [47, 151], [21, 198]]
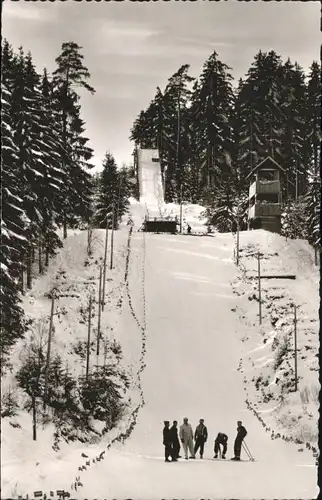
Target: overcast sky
[[130, 48]]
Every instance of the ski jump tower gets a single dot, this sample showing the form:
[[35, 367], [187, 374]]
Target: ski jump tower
[[265, 196], [151, 191]]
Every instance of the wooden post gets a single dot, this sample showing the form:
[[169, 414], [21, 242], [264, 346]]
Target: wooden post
[[181, 209], [49, 348], [89, 334], [295, 349], [259, 289], [112, 238], [105, 259], [99, 313], [237, 242]]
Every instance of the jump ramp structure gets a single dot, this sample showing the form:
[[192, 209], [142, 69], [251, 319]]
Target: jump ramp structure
[[151, 192]]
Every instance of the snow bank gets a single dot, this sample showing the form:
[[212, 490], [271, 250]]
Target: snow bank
[[268, 362], [29, 465]]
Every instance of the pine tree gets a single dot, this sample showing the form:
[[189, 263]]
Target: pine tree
[[175, 101], [106, 198], [312, 150], [259, 114], [293, 104], [13, 240], [313, 118], [70, 75], [124, 193], [211, 112]]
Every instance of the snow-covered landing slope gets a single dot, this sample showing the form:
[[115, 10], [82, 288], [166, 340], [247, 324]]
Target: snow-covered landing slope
[[179, 290], [192, 354]]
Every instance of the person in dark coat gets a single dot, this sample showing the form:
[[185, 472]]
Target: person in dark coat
[[189, 229], [175, 439], [201, 436], [221, 439], [241, 434], [167, 441]]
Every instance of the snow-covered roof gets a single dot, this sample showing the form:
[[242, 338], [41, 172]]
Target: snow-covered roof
[[269, 160]]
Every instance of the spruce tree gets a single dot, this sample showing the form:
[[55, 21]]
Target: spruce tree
[[13, 240], [212, 107], [313, 155], [293, 105], [71, 74], [107, 195], [259, 115]]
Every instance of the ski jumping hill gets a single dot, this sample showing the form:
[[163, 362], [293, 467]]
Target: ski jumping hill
[[150, 181], [183, 322]]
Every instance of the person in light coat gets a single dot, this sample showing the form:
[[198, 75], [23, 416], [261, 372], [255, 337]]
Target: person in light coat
[[186, 437]]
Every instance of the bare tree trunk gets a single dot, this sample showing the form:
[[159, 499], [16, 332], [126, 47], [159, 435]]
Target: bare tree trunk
[[259, 289], [112, 238], [33, 256], [178, 173], [89, 239], [88, 335], [21, 275], [65, 228], [47, 257], [49, 348], [118, 200], [99, 314], [105, 259], [29, 261], [34, 418], [40, 257]]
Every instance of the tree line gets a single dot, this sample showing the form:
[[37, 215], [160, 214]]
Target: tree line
[[210, 135], [45, 168], [46, 172], [47, 185]]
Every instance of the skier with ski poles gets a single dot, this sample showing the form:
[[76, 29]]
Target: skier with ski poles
[[221, 439], [241, 434], [201, 436]]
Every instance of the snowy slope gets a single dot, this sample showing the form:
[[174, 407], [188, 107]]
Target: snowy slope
[[27, 464], [295, 414], [181, 337], [192, 354]]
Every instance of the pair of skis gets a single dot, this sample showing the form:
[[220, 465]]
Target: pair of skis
[[247, 451]]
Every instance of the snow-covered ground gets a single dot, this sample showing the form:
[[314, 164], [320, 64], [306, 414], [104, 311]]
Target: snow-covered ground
[[268, 362], [183, 323]]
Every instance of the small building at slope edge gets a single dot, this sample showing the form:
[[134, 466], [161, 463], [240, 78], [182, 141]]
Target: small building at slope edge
[[265, 196]]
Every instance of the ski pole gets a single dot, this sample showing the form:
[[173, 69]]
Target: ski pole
[[245, 450], [248, 452], [246, 446]]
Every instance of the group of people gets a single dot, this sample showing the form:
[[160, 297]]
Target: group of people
[[192, 442]]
